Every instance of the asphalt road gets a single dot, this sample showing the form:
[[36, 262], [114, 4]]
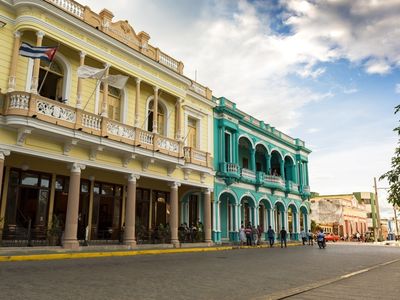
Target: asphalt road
[[234, 274]]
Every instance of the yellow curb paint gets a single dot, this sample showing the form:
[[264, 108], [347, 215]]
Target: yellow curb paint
[[56, 256]]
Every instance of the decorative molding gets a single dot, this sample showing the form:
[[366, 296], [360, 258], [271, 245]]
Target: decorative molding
[[69, 145], [23, 132], [94, 150], [186, 173], [127, 159], [203, 177], [4, 153], [174, 185], [133, 177], [77, 167], [170, 169], [146, 162]]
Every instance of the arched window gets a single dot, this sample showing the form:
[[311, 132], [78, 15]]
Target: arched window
[[51, 85], [114, 102], [160, 118]]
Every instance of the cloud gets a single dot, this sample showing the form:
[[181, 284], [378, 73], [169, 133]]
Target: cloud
[[397, 88]]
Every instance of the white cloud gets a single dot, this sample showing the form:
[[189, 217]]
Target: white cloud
[[350, 91], [397, 88]]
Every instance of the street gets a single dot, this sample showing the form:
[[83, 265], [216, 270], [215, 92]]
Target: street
[[234, 274]]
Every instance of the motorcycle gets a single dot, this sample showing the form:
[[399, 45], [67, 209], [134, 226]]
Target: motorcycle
[[322, 244]]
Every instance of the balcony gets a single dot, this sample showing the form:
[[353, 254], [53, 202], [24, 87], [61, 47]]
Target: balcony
[[274, 182], [197, 157], [306, 190], [292, 187], [248, 174], [50, 111]]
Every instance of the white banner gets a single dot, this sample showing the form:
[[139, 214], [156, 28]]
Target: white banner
[[90, 72], [117, 81]]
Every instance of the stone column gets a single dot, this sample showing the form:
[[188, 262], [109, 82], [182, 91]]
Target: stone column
[[174, 213], [79, 87], [178, 119], [137, 100], [207, 215], [268, 160], [253, 159], [36, 66], [104, 105], [71, 224], [155, 110], [3, 154], [14, 62], [282, 165], [130, 212]]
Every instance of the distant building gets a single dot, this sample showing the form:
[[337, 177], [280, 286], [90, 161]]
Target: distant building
[[344, 215]]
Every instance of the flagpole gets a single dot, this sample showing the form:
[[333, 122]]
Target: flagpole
[[95, 88], [47, 72]]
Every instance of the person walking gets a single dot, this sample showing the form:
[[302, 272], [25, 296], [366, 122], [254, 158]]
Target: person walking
[[283, 236], [310, 238], [303, 236], [254, 232], [260, 231], [271, 236]]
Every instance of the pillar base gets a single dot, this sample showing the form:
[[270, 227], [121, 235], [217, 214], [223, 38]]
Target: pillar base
[[209, 242], [130, 243], [176, 243], [72, 244]]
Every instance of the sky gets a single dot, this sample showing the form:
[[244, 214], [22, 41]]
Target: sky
[[326, 72]]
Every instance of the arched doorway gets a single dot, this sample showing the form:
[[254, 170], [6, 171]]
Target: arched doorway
[[245, 154], [279, 217], [248, 211], [261, 159], [292, 222], [227, 214], [289, 169], [276, 161], [304, 219]]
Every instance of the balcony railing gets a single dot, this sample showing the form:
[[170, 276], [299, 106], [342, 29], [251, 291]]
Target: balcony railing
[[306, 189], [248, 173], [70, 6], [36, 106], [229, 169], [292, 186], [274, 181], [197, 157]]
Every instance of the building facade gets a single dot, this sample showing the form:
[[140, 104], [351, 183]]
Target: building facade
[[261, 176], [344, 215], [103, 164]]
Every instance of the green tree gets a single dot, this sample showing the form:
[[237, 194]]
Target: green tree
[[393, 175]]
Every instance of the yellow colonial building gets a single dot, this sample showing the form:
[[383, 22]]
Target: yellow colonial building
[[83, 161]]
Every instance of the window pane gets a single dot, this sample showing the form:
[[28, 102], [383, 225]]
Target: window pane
[[30, 179], [45, 181]]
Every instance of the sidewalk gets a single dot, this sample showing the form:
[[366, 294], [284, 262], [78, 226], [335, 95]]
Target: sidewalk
[[8, 254]]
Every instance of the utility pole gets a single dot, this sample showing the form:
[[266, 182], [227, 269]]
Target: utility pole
[[378, 215]]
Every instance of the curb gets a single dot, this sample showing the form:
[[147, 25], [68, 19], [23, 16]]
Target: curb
[[74, 255]]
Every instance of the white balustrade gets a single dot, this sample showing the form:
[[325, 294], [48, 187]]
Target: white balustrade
[[50, 109], [231, 168], [91, 121], [146, 137], [19, 101], [120, 130], [168, 61], [199, 155], [69, 6]]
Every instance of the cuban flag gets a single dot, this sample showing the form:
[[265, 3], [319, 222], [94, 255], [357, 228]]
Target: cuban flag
[[45, 53]]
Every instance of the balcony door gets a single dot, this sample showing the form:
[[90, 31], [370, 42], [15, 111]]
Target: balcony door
[[52, 83], [192, 133]]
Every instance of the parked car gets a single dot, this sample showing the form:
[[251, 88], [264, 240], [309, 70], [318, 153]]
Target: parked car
[[331, 237]]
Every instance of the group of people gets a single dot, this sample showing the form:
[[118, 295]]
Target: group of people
[[192, 233], [307, 236], [251, 235]]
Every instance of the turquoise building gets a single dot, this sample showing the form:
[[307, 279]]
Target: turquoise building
[[261, 176]]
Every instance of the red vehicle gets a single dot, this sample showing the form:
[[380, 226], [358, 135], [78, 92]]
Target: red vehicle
[[331, 237]]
